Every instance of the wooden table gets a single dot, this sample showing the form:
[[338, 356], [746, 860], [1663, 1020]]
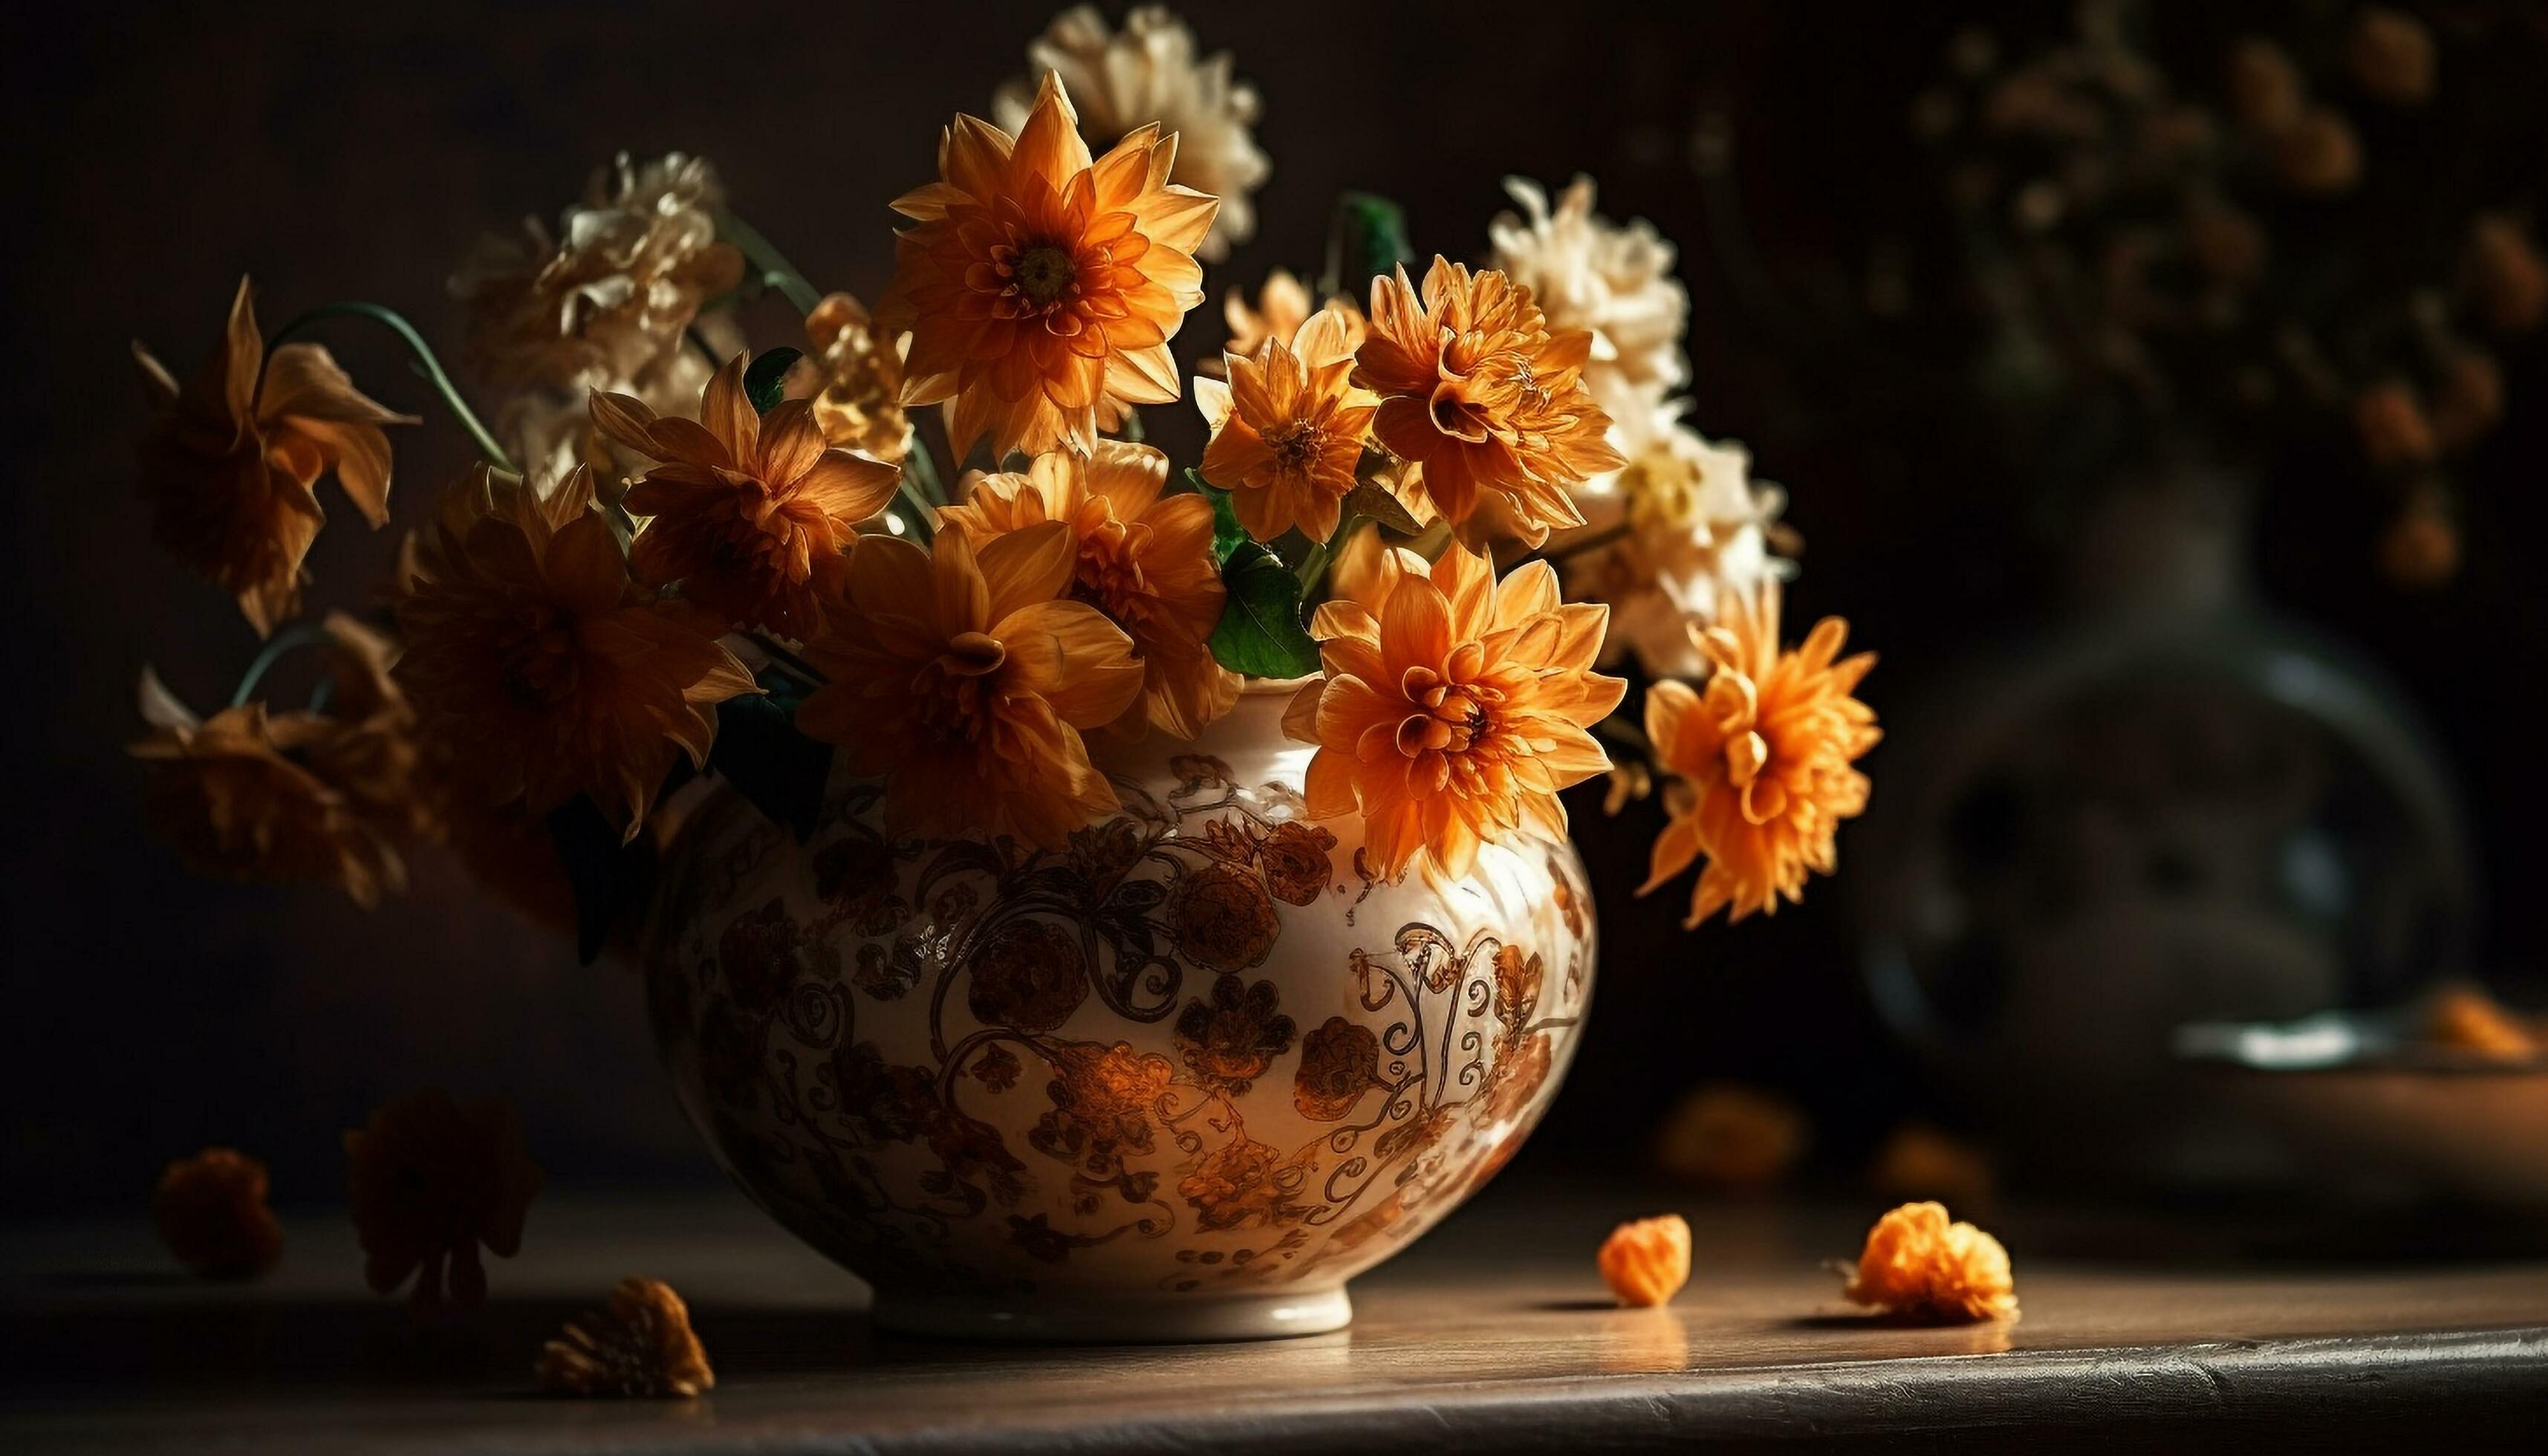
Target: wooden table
[[1493, 1334]]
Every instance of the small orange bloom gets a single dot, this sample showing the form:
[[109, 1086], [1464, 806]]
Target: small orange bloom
[[1288, 429], [1282, 305], [1919, 1265], [1142, 558], [857, 374], [1041, 286], [752, 516], [1763, 753], [1477, 390], [544, 668], [232, 456], [965, 678], [1452, 707], [1646, 1262]]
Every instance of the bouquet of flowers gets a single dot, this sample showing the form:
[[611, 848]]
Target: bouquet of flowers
[[1436, 499]]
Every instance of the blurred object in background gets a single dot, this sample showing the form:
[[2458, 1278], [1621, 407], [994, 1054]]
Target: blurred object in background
[[1918, 1162], [1731, 1138]]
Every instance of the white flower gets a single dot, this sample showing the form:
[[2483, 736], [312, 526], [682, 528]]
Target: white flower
[[1689, 525], [1149, 72], [1588, 272]]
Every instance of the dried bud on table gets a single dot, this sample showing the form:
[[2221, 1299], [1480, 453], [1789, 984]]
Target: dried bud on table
[[211, 1212], [640, 1345], [431, 1180], [1647, 1262], [1920, 1266]]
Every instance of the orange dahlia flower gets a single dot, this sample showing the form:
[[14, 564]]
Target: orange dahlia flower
[[1288, 429], [231, 460], [1477, 390], [1762, 753], [1281, 305], [964, 677], [1041, 286], [1452, 707], [546, 671], [1142, 558], [752, 516]]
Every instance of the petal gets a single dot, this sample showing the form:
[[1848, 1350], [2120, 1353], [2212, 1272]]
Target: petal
[[1031, 564], [1071, 654]]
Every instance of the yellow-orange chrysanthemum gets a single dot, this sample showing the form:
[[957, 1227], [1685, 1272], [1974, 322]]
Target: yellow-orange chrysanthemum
[[965, 678], [1143, 558], [541, 666], [753, 516], [1452, 707], [1764, 753], [1288, 429], [1477, 390], [1041, 286], [233, 455]]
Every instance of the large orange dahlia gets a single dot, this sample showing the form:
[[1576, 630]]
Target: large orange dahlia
[[965, 678], [1452, 707], [1143, 558], [1763, 756], [1477, 390], [1041, 286], [541, 666]]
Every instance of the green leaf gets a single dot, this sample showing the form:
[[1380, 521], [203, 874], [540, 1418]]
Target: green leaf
[[1260, 632], [766, 380], [758, 750], [611, 877], [1374, 504], [1369, 240], [1228, 535]]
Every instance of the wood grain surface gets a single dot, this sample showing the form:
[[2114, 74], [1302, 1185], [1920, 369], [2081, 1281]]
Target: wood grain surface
[[1494, 1334]]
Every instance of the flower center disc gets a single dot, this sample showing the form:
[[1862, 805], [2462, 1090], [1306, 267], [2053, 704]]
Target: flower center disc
[[1045, 272]]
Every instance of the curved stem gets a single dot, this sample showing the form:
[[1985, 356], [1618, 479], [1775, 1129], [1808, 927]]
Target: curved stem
[[283, 644], [767, 260], [425, 359]]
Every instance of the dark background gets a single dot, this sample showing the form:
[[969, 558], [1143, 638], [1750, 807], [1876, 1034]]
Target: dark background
[[338, 150]]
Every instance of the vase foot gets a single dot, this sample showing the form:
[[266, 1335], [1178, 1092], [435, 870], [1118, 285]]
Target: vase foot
[[1075, 1320]]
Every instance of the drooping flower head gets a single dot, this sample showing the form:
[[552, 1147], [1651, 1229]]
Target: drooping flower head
[[966, 677], [1479, 391], [544, 668], [753, 516], [1590, 273], [1764, 753], [1149, 72], [1142, 558], [1041, 286], [1289, 430], [1452, 707], [232, 456], [431, 1180]]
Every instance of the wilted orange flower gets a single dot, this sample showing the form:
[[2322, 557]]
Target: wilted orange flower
[[231, 460], [1646, 1262], [1142, 558], [965, 678], [1452, 707], [544, 668], [431, 1180], [857, 374], [1480, 392], [1919, 1265], [1040, 286], [374, 756], [639, 1344], [211, 1212], [1288, 429], [1763, 754], [236, 794], [752, 516]]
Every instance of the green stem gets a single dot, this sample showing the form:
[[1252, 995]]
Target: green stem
[[283, 644], [1313, 566], [707, 351], [425, 359], [917, 512], [918, 461], [765, 259]]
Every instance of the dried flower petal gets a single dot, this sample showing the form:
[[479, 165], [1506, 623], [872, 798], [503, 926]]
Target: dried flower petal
[[641, 1344], [1920, 1266], [1646, 1262], [432, 1180], [211, 1212], [2466, 1019]]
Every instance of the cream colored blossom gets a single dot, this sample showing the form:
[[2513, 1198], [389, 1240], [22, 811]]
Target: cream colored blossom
[[1150, 71], [1591, 273], [1690, 527]]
